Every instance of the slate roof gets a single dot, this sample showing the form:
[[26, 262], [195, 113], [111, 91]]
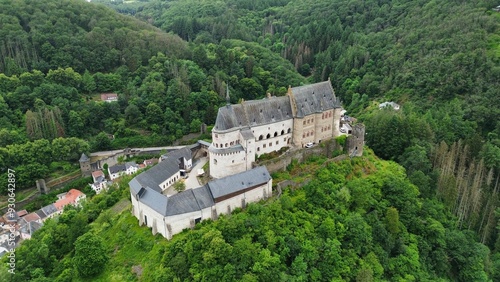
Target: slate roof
[[240, 181], [31, 227], [247, 134], [155, 200], [228, 150], [309, 99], [48, 210], [130, 164], [314, 98], [156, 175], [41, 214], [199, 198], [179, 153], [251, 113], [84, 158], [117, 168]]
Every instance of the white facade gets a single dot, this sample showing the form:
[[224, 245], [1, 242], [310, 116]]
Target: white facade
[[168, 226], [170, 215], [308, 114]]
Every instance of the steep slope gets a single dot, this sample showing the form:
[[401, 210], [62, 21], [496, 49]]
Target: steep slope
[[49, 34]]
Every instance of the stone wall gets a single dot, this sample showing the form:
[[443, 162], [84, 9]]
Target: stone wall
[[325, 148]]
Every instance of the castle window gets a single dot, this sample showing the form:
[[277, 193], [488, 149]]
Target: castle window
[[282, 132], [216, 135], [304, 122], [261, 137], [261, 110], [226, 145], [264, 146], [233, 161], [277, 142], [258, 149], [289, 130], [275, 134], [303, 135], [268, 136], [284, 139], [270, 144], [215, 161]]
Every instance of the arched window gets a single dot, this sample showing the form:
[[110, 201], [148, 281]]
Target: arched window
[[261, 137], [215, 161], [282, 132], [268, 136], [275, 134], [226, 145], [258, 149], [289, 130], [231, 144]]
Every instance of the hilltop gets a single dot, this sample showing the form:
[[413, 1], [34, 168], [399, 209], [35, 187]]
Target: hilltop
[[358, 219]]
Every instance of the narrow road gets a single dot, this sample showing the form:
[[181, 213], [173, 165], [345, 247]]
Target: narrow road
[[110, 153], [192, 181]]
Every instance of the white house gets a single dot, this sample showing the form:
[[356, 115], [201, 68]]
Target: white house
[[72, 197], [307, 114], [168, 170], [100, 183], [393, 105], [170, 215], [122, 169]]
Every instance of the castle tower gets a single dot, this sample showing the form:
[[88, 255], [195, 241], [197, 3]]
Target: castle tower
[[356, 141], [85, 165]]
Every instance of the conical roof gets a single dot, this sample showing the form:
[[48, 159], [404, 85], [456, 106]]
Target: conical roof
[[84, 158]]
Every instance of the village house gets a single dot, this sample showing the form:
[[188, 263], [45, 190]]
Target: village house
[[391, 104], [72, 197], [118, 170], [109, 97], [99, 182]]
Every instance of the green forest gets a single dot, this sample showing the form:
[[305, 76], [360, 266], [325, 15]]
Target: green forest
[[428, 211]]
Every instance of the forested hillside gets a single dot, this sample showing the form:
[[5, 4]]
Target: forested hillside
[[357, 220], [439, 59], [365, 219], [58, 56]]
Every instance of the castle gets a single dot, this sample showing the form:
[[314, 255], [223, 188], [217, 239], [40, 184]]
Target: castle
[[307, 114]]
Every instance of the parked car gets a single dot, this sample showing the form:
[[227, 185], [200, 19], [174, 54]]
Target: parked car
[[309, 145]]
